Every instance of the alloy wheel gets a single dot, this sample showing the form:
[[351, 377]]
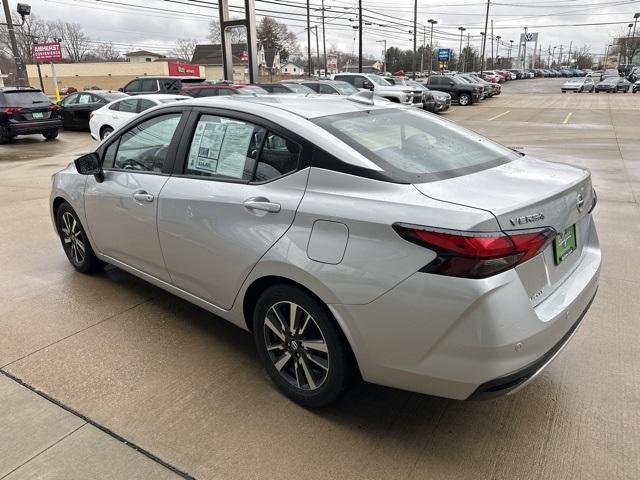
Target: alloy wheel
[[296, 346], [73, 238]]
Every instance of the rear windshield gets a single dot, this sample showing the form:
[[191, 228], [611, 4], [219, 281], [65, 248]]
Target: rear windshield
[[25, 99], [416, 147], [346, 88]]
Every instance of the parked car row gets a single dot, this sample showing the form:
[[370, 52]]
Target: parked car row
[[587, 84]]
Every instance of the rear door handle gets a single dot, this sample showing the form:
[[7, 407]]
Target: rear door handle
[[261, 204], [143, 196]]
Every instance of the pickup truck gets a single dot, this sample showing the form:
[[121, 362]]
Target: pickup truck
[[379, 86], [462, 92]]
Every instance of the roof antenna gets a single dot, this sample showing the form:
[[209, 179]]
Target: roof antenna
[[365, 97]]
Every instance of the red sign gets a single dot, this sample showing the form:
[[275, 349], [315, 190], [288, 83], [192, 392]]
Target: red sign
[[46, 52], [244, 56], [184, 69]]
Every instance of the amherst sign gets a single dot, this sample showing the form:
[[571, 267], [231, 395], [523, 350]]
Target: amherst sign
[[46, 52]]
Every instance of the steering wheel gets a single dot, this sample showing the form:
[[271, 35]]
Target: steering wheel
[[159, 157], [132, 164]]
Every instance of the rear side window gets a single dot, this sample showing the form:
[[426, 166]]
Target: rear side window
[[171, 86], [226, 148], [412, 146], [149, 85], [25, 98], [129, 106]]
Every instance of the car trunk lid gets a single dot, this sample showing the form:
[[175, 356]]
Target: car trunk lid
[[528, 194]]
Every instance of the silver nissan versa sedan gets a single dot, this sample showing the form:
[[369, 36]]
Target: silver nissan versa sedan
[[353, 237]]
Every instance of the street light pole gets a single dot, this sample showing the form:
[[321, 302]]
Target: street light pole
[[20, 69], [498, 37], [432, 22], [510, 49], [359, 36], [484, 40], [606, 56], [462, 29], [627, 43], [309, 61]]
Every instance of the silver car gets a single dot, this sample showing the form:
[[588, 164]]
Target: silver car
[[355, 238], [584, 84]]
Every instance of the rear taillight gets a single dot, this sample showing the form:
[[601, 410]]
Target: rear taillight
[[474, 254], [11, 110], [595, 201]]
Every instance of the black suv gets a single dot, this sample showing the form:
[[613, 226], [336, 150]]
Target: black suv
[[462, 92], [161, 84], [27, 111]]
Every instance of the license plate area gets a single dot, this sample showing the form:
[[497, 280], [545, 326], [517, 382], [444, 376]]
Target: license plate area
[[564, 244], [37, 115]]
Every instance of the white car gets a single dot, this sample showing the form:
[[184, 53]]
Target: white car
[[108, 118]]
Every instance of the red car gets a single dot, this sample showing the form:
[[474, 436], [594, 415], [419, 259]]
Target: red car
[[220, 89], [489, 77]]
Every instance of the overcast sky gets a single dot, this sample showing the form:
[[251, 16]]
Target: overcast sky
[[157, 24]]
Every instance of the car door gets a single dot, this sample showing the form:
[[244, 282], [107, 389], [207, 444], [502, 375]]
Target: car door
[[87, 102], [126, 110], [233, 196], [66, 112], [122, 208]]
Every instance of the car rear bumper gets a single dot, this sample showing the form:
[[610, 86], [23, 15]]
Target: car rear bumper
[[461, 338], [28, 128]]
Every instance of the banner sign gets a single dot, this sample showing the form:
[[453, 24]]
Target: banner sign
[[178, 69], [46, 52], [332, 63], [444, 54], [528, 37]]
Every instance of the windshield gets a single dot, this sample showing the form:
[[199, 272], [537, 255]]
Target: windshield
[[611, 80], [346, 88], [413, 83], [25, 98], [378, 81], [297, 88], [415, 146], [110, 97], [252, 89]]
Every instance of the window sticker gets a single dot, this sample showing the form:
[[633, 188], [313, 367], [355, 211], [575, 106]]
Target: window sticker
[[205, 149]]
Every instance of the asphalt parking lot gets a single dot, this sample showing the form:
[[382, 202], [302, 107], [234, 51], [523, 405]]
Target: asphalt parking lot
[[147, 385]]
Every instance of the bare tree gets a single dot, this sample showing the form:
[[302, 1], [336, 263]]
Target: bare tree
[[185, 48], [75, 42], [106, 52], [583, 57], [33, 30], [238, 35]]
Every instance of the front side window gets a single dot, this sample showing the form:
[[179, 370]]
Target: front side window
[[133, 86], [85, 98], [414, 146], [346, 88], [144, 148], [231, 149]]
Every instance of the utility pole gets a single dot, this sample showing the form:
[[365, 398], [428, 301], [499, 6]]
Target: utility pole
[[324, 43], [424, 36], [415, 33], [498, 37], [359, 36], [384, 57], [569, 54], [318, 53], [432, 22], [493, 52], [462, 29], [309, 60], [468, 50], [560, 55], [20, 69], [484, 40]]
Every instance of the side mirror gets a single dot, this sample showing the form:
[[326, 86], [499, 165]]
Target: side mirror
[[89, 164], [121, 89]]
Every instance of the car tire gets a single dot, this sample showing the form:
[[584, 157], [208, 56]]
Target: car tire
[[50, 135], [464, 99], [316, 366], [105, 132], [75, 242], [4, 136]]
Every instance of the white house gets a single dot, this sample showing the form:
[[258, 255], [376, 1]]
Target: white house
[[291, 69]]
